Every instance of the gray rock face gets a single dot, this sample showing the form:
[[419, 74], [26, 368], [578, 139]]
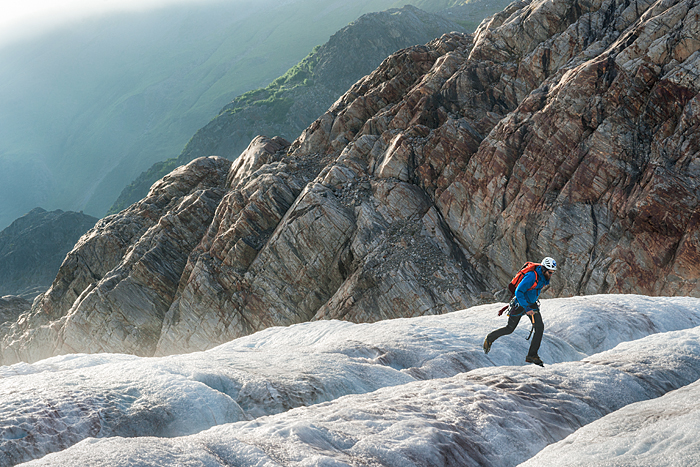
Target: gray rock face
[[559, 128], [597, 164], [285, 248]]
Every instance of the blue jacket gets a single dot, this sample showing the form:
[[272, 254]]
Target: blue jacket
[[528, 298]]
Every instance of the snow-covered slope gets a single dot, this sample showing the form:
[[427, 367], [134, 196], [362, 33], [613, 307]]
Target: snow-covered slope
[[414, 391]]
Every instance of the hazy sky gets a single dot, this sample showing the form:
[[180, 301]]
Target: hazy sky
[[27, 17]]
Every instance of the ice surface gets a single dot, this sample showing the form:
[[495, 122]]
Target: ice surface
[[490, 416], [659, 432], [397, 392]]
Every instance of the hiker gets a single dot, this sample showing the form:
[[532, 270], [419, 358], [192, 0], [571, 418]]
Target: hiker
[[526, 302]]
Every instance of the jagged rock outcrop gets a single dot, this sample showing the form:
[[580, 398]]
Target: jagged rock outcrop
[[33, 247], [560, 128], [598, 165]]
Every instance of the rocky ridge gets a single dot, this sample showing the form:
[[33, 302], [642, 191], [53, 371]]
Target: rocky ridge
[[561, 128]]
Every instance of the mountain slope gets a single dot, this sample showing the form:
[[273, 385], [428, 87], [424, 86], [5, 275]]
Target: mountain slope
[[33, 247], [11, 307], [291, 102], [88, 107]]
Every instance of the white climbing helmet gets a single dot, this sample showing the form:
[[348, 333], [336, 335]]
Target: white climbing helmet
[[549, 263]]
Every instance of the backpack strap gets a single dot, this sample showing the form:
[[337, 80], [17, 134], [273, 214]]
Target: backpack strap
[[537, 279]]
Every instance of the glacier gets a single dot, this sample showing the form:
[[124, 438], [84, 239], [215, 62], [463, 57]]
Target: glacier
[[619, 383]]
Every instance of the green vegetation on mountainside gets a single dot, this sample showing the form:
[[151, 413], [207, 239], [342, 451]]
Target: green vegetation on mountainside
[[275, 95], [432, 6]]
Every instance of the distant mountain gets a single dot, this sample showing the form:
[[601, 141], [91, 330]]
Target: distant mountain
[[33, 247], [11, 307], [291, 102], [88, 107], [467, 14]]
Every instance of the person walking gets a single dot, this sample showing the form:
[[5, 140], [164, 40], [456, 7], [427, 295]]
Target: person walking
[[526, 302]]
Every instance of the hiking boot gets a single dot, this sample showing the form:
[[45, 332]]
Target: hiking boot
[[487, 345], [536, 360]]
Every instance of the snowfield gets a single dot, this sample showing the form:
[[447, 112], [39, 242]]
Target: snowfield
[[619, 388]]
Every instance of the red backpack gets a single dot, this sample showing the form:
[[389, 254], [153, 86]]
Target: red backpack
[[527, 267]]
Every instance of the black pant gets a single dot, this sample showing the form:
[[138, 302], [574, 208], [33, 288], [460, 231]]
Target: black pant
[[513, 323]]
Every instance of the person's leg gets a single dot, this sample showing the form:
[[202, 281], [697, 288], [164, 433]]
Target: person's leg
[[508, 329], [537, 338]]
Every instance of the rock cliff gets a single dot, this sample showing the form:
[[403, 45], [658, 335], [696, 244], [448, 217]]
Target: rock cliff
[[560, 127]]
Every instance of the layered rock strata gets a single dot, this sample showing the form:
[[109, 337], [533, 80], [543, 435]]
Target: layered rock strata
[[560, 128]]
